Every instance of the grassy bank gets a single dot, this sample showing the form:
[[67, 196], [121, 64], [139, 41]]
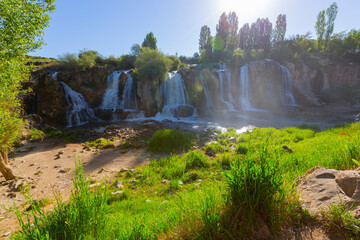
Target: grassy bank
[[248, 181]]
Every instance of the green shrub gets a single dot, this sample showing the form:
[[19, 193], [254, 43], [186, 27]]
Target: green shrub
[[151, 65], [100, 143], [254, 189], [36, 135], [241, 148], [170, 141], [175, 63], [215, 147]]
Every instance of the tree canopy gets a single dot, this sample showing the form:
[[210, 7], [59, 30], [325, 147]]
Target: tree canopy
[[21, 31], [150, 41]]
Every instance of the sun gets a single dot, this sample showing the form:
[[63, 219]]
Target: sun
[[245, 9]]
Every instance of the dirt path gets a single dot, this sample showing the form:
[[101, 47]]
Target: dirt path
[[37, 165]]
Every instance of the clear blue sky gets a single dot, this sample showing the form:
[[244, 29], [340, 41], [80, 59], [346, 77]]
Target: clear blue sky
[[111, 27]]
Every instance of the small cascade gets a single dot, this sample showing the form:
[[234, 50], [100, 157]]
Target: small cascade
[[111, 99], [175, 97], [287, 97], [245, 90], [79, 112], [222, 88], [129, 102], [209, 102], [54, 75]]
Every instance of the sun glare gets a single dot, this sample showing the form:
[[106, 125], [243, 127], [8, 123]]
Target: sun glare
[[244, 8]]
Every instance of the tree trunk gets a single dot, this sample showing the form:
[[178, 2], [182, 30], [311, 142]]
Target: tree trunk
[[5, 156], [6, 172]]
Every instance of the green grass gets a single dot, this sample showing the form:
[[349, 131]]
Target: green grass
[[100, 143], [35, 135], [192, 196], [170, 141]]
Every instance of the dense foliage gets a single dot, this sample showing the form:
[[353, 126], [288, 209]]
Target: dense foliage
[[151, 65], [150, 41], [21, 30]]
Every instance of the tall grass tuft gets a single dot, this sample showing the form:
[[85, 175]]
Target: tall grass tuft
[[254, 189], [82, 217]]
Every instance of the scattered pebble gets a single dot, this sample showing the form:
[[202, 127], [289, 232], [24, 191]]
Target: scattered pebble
[[132, 181], [57, 166], [118, 184], [165, 181], [39, 173], [117, 192], [65, 170]]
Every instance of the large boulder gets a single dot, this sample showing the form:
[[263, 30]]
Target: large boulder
[[321, 187]]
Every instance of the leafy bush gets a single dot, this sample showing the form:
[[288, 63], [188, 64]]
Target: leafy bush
[[127, 62], [175, 63], [151, 65], [36, 135], [170, 141]]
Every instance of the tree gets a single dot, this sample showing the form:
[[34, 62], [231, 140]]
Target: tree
[[244, 36], [325, 25], [21, 29], [222, 29], [150, 41], [135, 50], [320, 28], [280, 29], [331, 13], [205, 39], [152, 65], [260, 34], [232, 40]]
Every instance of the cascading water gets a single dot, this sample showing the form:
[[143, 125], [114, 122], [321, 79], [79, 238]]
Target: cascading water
[[129, 95], [54, 75], [221, 72], [175, 97], [111, 99], [286, 93], [209, 102], [79, 112], [245, 90]]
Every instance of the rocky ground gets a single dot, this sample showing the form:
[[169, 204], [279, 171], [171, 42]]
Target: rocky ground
[[47, 168]]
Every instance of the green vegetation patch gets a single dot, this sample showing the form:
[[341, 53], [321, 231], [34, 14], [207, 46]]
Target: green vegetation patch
[[170, 141], [100, 143]]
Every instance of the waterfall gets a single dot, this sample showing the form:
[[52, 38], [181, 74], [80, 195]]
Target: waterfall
[[111, 96], [54, 75], [79, 111], [129, 95], [287, 97], [245, 90], [112, 101], [209, 102], [175, 97], [222, 88]]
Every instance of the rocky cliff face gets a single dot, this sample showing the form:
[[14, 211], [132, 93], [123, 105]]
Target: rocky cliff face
[[149, 97], [49, 98], [309, 83]]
